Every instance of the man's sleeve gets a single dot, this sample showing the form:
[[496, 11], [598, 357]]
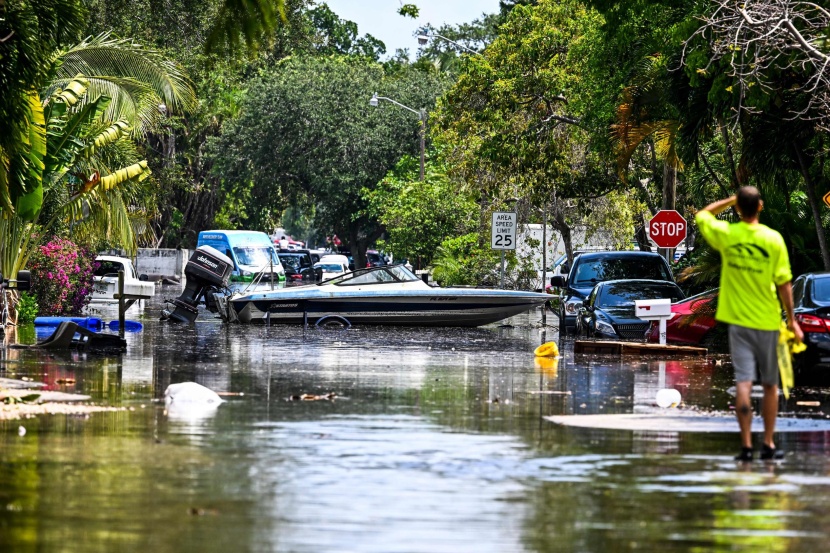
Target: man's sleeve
[[713, 230], [781, 273]]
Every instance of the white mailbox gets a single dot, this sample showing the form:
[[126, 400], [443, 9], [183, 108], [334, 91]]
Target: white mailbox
[[652, 310]]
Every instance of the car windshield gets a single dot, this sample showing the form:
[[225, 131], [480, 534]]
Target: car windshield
[[379, 275], [600, 270], [291, 261], [821, 291], [250, 255], [624, 293]]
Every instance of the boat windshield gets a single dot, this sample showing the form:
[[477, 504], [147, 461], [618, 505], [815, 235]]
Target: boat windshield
[[375, 275]]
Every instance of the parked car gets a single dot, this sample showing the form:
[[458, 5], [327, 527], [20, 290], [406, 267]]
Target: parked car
[[331, 269], [105, 280], [335, 258], [608, 311], [589, 269], [811, 299], [375, 259], [692, 320], [298, 267]]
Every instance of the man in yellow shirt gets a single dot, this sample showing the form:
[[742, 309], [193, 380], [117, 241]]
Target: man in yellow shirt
[[755, 274]]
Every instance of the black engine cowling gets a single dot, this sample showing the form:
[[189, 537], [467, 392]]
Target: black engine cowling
[[206, 271]]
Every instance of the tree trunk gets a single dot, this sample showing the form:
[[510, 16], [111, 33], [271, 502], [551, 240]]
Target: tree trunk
[[559, 223], [642, 236], [814, 206]]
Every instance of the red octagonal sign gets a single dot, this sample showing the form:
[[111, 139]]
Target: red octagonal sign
[[667, 229]]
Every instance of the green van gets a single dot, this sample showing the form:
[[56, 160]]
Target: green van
[[252, 253]]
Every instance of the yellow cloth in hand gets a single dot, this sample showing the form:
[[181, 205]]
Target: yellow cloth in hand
[[787, 346]]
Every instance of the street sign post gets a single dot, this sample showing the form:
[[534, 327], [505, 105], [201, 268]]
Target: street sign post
[[503, 235], [667, 229]]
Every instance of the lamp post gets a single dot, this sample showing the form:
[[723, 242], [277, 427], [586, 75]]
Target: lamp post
[[425, 34], [422, 114]]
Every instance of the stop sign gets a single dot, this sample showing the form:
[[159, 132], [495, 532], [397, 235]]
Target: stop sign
[[667, 229]]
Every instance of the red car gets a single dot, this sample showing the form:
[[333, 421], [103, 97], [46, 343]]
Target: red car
[[692, 320]]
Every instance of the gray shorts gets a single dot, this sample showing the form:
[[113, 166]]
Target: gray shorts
[[754, 352]]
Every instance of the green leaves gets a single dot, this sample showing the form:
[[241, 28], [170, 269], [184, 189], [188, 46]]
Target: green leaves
[[138, 80], [308, 135]]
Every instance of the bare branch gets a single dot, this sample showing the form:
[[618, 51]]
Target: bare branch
[[760, 39]]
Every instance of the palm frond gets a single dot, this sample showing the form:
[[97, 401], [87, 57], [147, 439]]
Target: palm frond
[[138, 79]]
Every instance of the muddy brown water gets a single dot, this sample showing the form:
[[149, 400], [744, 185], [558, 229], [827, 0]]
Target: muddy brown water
[[435, 441]]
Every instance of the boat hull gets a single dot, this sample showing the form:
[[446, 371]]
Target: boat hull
[[443, 308]]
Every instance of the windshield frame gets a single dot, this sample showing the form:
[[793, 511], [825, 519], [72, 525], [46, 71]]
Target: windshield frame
[[396, 274]]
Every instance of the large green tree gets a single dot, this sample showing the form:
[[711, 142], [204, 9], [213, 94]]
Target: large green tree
[[417, 216], [517, 120], [307, 134]]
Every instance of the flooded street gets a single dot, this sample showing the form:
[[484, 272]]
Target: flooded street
[[435, 440]]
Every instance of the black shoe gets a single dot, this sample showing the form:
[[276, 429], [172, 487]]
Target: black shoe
[[745, 455], [771, 453]]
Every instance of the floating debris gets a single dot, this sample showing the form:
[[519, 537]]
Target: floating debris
[[313, 397], [19, 411]]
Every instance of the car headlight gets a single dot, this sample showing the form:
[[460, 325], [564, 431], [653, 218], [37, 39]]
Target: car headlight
[[572, 306], [605, 328], [247, 273]]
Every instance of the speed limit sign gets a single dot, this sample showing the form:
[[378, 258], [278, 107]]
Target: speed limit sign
[[503, 235]]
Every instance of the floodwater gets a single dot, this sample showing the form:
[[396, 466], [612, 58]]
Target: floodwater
[[435, 441]]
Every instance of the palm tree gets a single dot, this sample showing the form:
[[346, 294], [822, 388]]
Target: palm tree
[[645, 114], [87, 121]]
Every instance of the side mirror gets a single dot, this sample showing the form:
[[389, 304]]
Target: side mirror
[[557, 281]]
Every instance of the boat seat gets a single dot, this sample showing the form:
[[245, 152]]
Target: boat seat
[[64, 338]]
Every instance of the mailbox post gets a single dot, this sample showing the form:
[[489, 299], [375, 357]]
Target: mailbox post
[[654, 310]]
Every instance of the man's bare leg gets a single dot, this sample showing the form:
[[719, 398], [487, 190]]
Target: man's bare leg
[[743, 410], [769, 410]]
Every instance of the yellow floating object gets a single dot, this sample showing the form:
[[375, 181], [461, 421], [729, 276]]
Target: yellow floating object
[[548, 349], [547, 365], [787, 346]]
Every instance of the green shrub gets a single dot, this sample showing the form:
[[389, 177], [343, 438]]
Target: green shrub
[[26, 308]]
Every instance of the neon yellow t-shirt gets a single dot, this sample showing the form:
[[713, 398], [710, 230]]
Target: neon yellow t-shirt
[[754, 262]]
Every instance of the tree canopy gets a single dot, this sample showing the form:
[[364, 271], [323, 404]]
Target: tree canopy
[[307, 135]]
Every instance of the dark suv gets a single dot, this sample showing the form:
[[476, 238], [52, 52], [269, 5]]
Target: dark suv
[[590, 268], [299, 266]]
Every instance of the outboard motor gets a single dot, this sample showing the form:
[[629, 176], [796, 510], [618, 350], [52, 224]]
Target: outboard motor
[[207, 270]]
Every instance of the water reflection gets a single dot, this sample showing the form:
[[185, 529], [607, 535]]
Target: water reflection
[[434, 441]]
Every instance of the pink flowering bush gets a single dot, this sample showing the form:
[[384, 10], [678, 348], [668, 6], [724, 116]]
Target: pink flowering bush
[[62, 277]]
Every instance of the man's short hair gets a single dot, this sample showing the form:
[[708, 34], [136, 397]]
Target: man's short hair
[[749, 201]]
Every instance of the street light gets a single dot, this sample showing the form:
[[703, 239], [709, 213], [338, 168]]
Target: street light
[[422, 114], [425, 34]]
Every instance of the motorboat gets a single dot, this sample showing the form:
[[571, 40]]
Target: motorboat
[[105, 281], [386, 295]]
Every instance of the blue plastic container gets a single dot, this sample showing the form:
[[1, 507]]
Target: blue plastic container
[[92, 323]]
